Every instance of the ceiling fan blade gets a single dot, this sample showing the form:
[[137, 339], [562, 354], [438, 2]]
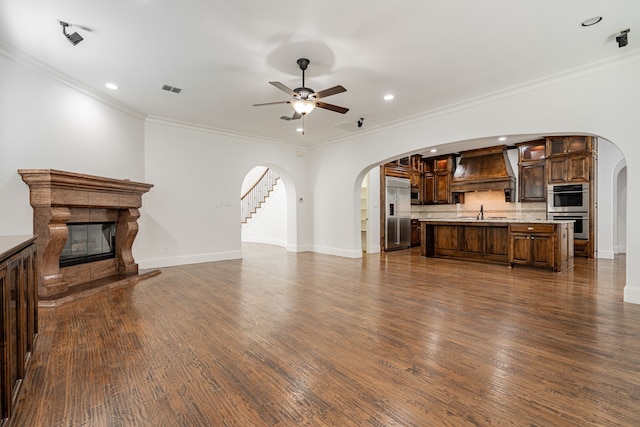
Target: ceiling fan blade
[[272, 103], [328, 92], [284, 88], [331, 107]]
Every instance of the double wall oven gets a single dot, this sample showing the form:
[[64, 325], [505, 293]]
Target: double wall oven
[[570, 202]]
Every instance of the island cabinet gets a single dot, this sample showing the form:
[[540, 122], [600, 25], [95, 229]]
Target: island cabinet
[[480, 241], [542, 245], [19, 312]]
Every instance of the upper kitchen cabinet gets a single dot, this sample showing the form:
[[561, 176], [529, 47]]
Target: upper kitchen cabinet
[[569, 159], [438, 174], [531, 171]]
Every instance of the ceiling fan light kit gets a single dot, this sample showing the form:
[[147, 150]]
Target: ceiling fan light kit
[[302, 106], [305, 100]]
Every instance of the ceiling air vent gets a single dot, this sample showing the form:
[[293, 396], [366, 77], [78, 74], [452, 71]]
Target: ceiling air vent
[[172, 89]]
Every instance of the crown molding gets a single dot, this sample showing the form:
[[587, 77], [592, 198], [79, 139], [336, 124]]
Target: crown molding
[[40, 67], [210, 129], [496, 95]]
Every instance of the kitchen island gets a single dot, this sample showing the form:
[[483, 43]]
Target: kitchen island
[[535, 243]]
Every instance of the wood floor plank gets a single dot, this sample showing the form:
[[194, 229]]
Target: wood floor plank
[[305, 339]]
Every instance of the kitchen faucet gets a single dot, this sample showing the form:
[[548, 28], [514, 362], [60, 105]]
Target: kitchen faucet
[[481, 214]]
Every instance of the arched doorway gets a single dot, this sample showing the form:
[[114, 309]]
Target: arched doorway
[[273, 220]]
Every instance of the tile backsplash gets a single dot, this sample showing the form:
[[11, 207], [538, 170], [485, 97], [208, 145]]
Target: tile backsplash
[[493, 205]]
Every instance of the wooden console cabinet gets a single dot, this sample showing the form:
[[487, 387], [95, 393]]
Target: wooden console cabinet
[[19, 309]]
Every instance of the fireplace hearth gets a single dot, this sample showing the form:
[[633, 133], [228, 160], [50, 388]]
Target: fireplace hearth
[[86, 226]]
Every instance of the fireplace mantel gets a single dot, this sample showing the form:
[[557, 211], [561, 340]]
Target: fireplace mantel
[[58, 197]]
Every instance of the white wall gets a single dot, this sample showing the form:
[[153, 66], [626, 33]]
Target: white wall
[[193, 214], [577, 103], [47, 124], [608, 157], [269, 224], [620, 242]]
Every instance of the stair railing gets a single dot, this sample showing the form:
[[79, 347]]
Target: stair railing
[[257, 194]]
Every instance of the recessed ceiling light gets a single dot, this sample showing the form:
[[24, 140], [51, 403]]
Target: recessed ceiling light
[[388, 97], [591, 21], [433, 150], [502, 138], [111, 86]]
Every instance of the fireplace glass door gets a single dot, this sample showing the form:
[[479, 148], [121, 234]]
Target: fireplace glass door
[[89, 242]]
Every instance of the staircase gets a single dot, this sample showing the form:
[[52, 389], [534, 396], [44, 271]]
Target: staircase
[[256, 196]]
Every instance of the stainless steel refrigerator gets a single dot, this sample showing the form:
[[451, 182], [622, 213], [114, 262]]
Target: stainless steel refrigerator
[[398, 213]]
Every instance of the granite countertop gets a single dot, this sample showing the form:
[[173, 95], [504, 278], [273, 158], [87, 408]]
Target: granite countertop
[[501, 220]]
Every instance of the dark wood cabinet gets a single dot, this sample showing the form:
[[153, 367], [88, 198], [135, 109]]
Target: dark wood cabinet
[[19, 309], [438, 173], [415, 232], [532, 171], [569, 159], [479, 241], [541, 245]]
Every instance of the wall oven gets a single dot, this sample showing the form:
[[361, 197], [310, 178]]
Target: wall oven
[[568, 198], [580, 222]]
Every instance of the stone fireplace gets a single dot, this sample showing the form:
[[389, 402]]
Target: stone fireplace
[[61, 200]]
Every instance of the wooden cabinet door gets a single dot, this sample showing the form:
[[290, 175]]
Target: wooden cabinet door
[[415, 179], [442, 190], [532, 182], [578, 143], [520, 248], [5, 386], [542, 250], [497, 241], [472, 239], [577, 167], [16, 317], [446, 240], [429, 185], [556, 169]]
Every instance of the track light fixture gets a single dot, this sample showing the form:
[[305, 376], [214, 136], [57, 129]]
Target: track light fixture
[[360, 122], [622, 39], [74, 38]]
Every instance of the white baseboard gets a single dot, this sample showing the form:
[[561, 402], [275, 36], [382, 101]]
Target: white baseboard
[[347, 253], [265, 240], [605, 254], [188, 259], [631, 295]]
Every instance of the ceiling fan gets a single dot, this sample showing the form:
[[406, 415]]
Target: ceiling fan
[[304, 100]]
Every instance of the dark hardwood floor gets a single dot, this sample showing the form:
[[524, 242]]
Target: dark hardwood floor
[[285, 339]]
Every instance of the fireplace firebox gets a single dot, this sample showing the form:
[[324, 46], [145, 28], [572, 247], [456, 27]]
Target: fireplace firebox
[[88, 242]]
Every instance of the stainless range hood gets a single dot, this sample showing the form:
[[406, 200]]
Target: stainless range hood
[[485, 169]]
